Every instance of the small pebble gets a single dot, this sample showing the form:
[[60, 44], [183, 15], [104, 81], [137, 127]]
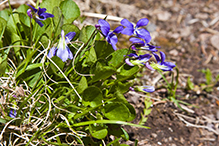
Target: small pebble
[[174, 52], [159, 143], [170, 138], [154, 135]]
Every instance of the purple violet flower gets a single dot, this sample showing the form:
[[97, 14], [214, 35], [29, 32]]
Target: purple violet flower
[[111, 38], [140, 43], [161, 64], [38, 14], [62, 50], [147, 89], [13, 113], [139, 32], [137, 60]]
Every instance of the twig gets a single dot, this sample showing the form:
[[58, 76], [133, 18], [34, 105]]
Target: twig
[[159, 102], [5, 1], [190, 118], [32, 3], [187, 109], [197, 126], [210, 120]]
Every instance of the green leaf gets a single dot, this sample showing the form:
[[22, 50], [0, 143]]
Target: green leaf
[[49, 5], [25, 24], [2, 27], [190, 85], [101, 71], [23, 9], [57, 16], [31, 75], [79, 115], [92, 96], [92, 57], [117, 57], [99, 132], [3, 66], [124, 86], [208, 76], [217, 77], [132, 112], [24, 19], [147, 112], [22, 67], [11, 34], [34, 78], [119, 97], [148, 103], [126, 72], [86, 33], [58, 61], [57, 20], [15, 38], [3, 121], [126, 135], [5, 14], [116, 111], [70, 10], [103, 49], [11, 26], [44, 40], [82, 85], [33, 66]]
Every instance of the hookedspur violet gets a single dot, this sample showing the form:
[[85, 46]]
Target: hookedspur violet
[[137, 60], [130, 29], [111, 38], [62, 50], [142, 44], [38, 14], [161, 64], [146, 88], [13, 113]]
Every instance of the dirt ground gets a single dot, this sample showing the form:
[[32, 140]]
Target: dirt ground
[[188, 32]]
